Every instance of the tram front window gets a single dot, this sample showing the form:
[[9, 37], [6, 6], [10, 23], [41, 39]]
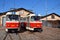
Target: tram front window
[[35, 18], [12, 18]]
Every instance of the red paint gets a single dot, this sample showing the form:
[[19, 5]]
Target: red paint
[[36, 25], [12, 25]]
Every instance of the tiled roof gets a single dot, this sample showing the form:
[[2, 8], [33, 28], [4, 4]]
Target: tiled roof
[[50, 14], [16, 10]]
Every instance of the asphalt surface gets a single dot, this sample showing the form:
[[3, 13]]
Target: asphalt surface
[[48, 33]]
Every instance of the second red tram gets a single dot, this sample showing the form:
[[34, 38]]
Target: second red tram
[[34, 23]]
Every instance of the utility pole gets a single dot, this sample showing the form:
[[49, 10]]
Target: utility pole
[[3, 5], [46, 11], [13, 5]]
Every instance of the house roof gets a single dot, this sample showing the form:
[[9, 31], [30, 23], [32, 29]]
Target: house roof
[[50, 14], [3, 13], [20, 9], [15, 11]]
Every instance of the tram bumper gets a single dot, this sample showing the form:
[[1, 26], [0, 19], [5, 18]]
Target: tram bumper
[[28, 28]]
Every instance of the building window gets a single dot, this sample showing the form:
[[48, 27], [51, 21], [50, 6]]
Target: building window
[[52, 16]]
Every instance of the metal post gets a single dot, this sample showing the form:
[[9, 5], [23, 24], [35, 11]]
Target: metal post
[[3, 5], [14, 4], [46, 12]]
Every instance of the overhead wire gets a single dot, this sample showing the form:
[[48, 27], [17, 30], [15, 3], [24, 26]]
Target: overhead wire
[[14, 4], [3, 6], [54, 8], [33, 5]]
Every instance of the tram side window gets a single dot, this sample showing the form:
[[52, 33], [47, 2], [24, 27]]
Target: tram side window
[[32, 18], [7, 18]]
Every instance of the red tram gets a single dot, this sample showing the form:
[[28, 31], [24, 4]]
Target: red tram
[[12, 22], [34, 23]]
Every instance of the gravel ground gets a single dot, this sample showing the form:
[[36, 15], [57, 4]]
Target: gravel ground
[[48, 33]]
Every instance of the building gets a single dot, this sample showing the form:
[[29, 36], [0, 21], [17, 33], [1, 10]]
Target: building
[[51, 20], [1, 17], [21, 11]]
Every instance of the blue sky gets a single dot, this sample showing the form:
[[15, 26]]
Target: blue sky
[[37, 6]]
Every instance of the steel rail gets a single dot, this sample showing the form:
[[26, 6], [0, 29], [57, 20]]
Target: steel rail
[[7, 35], [11, 36]]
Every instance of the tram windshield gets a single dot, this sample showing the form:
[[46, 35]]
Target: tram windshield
[[35, 18], [12, 17]]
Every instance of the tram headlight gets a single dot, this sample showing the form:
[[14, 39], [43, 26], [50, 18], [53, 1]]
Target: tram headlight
[[7, 25]]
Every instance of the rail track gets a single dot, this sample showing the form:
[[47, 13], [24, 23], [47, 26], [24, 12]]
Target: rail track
[[11, 37], [47, 34]]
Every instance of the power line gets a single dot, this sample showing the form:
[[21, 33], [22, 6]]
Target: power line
[[35, 4], [46, 10], [54, 8], [14, 4], [3, 5]]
